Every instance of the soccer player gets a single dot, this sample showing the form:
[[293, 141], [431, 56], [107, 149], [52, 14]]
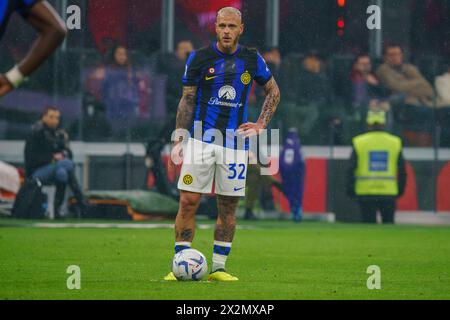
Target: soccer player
[[51, 29], [216, 86]]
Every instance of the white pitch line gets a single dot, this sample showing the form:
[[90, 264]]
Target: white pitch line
[[120, 226]]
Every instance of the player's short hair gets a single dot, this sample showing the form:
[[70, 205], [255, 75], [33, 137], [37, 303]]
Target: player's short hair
[[48, 109], [229, 10]]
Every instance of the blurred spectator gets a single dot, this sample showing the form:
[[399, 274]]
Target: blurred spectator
[[304, 112], [257, 186], [120, 89], [443, 104], [417, 94], [183, 50], [365, 83], [96, 75], [48, 158], [173, 66], [293, 172], [366, 88], [313, 108], [273, 60], [272, 56], [94, 124], [94, 81], [405, 78]]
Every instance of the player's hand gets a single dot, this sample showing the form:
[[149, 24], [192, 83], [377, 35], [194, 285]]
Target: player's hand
[[5, 86], [176, 157], [250, 129]]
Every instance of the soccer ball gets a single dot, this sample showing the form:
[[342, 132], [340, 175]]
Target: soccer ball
[[189, 264]]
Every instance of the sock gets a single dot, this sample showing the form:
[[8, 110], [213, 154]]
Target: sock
[[220, 255], [180, 246]]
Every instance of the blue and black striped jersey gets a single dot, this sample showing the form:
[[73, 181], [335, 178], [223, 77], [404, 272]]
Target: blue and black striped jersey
[[224, 83], [7, 7]]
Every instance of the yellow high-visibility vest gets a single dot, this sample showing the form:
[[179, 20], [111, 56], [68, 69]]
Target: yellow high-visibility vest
[[377, 159]]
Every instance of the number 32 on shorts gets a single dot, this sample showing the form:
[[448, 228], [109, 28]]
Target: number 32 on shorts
[[237, 171]]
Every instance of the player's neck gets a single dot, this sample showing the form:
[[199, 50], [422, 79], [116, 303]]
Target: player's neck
[[228, 51]]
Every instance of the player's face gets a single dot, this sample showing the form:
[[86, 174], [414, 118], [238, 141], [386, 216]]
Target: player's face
[[229, 28], [51, 119]]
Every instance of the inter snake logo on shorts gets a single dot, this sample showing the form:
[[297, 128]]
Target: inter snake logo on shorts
[[188, 179]]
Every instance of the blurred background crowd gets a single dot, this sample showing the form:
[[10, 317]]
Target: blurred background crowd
[[116, 79]]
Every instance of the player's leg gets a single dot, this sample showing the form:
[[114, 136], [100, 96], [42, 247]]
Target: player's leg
[[230, 178], [223, 237], [185, 221], [196, 178], [185, 224]]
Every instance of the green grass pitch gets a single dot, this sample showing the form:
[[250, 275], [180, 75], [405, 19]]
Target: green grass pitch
[[274, 260]]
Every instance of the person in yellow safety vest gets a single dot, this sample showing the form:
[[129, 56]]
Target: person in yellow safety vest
[[377, 174]]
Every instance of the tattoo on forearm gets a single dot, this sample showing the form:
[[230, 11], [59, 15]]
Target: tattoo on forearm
[[186, 108], [271, 102], [226, 222]]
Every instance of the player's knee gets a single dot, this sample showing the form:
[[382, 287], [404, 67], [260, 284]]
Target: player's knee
[[188, 205]]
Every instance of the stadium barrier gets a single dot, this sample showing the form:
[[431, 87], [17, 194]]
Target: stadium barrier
[[101, 167]]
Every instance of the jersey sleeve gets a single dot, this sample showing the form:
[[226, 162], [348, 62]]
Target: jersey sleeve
[[263, 74], [23, 7], [192, 73]]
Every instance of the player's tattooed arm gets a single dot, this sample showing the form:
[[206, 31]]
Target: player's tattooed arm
[[269, 107], [186, 108], [271, 102], [185, 114]]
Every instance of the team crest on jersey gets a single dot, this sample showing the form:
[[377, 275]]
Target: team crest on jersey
[[246, 78], [188, 179], [212, 70]]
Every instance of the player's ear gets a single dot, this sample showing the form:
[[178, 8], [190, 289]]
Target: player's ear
[[242, 28]]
